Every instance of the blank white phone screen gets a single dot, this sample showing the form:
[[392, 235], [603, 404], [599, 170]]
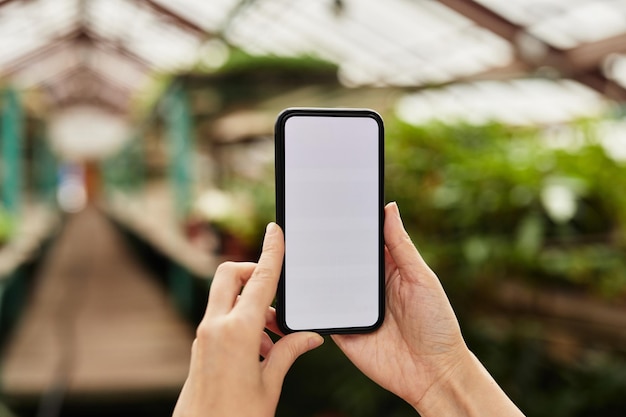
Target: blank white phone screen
[[331, 222]]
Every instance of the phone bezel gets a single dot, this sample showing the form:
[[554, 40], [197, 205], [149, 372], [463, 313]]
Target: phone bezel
[[280, 208]]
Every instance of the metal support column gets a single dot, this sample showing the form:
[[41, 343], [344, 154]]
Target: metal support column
[[45, 168], [178, 122], [10, 151], [177, 116]]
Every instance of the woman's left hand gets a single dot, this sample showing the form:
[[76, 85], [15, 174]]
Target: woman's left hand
[[226, 376]]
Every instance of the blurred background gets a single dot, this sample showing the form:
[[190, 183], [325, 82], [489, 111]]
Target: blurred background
[[136, 153]]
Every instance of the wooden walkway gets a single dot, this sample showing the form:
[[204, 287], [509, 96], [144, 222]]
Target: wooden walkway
[[97, 322]]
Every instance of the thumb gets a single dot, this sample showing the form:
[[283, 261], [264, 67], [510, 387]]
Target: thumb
[[399, 244], [284, 354]]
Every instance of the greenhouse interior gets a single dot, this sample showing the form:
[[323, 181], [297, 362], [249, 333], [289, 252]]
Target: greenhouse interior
[[137, 155]]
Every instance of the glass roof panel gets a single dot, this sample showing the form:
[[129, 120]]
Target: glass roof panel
[[19, 36], [528, 12], [53, 65], [618, 69], [210, 15], [518, 102], [374, 42], [144, 32], [55, 17], [589, 22], [122, 71], [112, 19], [565, 23], [395, 42]]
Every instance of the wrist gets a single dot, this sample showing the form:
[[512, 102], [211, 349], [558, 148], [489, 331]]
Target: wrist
[[466, 390]]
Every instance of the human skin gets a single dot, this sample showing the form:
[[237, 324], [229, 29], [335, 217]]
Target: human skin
[[226, 377], [419, 353]]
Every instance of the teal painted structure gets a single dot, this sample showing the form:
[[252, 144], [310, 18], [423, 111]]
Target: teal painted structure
[[11, 135], [178, 124], [14, 169], [127, 172], [45, 167], [177, 115]]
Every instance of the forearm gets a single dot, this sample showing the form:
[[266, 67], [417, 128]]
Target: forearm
[[469, 391]]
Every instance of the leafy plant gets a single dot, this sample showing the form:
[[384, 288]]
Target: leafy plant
[[7, 226], [494, 201], [487, 204]]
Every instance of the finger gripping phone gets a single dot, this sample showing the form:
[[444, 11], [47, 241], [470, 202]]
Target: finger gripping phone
[[329, 202]]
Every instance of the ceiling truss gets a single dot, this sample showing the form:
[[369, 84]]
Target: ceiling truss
[[584, 63], [88, 85]]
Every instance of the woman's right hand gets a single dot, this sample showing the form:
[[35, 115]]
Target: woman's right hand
[[420, 341], [419, 353]]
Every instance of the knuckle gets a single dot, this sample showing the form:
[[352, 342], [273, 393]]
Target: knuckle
[[263, 271], [402, 242], [292, 351], [204, 331], [227, 327], [272, 247], [226, 268]]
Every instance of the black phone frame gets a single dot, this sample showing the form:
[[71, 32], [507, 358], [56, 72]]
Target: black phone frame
[[279, 148]]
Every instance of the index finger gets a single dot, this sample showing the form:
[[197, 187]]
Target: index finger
[[260, 289]]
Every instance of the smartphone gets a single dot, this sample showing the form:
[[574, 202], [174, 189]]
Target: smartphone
[[329, 202]]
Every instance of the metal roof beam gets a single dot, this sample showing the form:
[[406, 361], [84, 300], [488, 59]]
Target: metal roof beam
[[180, 21], [599, 82], [234, 12], [70, 89], [5, 2], [485, 17], [80, 70], [582, 63], [100, 102], [591, 55], [68, 40], [512, 32], [117, 47], [29, 58]]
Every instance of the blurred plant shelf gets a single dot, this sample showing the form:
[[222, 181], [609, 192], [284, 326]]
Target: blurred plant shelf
[[7, 225], [526, 227], [493, 202]]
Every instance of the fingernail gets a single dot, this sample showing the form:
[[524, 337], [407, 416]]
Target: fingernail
[[271, 228], [394, 206], [315, 341]]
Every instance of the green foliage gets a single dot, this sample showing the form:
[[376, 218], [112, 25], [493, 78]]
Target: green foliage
[[264, 203], [325, 382], [126, 170], [240, 61], [543, 387], [250, 207], [477, 199], [493, 201], [7, 226], [250, 79]]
